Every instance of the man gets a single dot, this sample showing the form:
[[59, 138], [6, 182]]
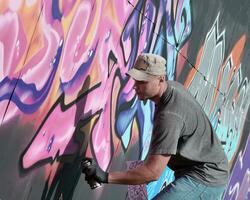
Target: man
[[182, 138]]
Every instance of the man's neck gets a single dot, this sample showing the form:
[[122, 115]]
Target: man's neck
[[162, 89]]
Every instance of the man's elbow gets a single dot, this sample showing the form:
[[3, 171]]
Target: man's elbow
[[153, 175], [156, 176], [151, 178]]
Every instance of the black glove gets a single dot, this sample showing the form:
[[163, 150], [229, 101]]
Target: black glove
[[93, 171]]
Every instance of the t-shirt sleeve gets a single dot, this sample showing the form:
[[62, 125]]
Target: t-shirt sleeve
[[166, 133]]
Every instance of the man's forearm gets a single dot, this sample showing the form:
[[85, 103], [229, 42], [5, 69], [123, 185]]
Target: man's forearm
[[137, 176]]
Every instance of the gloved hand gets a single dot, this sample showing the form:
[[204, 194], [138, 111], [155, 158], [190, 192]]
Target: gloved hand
[[93, 171]]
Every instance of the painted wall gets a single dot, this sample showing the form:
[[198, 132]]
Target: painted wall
[[64, 93]]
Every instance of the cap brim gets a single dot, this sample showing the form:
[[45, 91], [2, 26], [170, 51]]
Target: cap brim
[[138, 75]]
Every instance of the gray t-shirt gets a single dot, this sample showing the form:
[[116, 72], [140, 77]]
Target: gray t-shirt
[[182, 130]]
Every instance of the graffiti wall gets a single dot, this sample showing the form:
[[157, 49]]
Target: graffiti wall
[[64, 93]]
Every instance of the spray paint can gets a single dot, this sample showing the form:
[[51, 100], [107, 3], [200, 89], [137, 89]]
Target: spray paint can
[[92, 182]]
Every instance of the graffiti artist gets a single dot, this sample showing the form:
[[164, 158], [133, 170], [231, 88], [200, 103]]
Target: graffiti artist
[[182, 139]]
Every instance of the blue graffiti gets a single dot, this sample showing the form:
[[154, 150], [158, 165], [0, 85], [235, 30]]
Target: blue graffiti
[[153, 188], [56, 10]]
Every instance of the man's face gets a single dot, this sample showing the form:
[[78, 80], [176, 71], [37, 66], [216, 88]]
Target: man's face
[[147, 89]]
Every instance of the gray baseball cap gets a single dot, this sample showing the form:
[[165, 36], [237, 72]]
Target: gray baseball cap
[[147, 64]]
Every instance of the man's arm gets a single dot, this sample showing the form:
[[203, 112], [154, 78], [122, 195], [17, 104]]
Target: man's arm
[[149, 171]]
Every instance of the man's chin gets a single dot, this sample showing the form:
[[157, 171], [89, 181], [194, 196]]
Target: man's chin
[[142, 98]]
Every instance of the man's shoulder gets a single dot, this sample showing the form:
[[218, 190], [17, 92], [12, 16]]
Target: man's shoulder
[[175, 84]]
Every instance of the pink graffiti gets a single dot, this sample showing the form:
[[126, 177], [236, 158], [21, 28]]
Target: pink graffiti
[[67, 6], [12, 43], [12, 46], [53, 137], [37, 69], [75, 52]]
